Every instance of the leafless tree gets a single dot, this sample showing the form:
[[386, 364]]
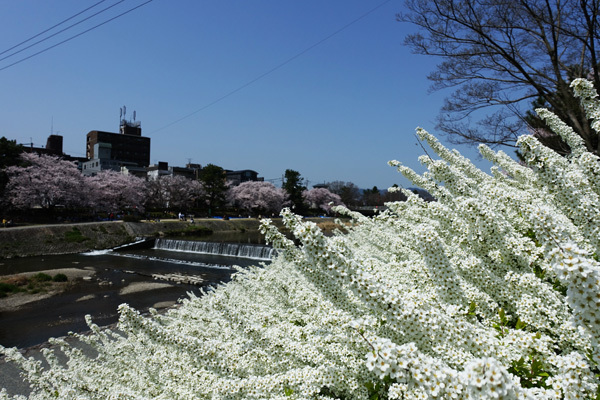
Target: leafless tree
[[500, 56]]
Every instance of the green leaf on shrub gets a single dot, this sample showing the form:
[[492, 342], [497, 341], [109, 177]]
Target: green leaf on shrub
[[471, 310]]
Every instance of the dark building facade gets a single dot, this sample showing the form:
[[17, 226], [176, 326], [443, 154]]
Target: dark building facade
[[245, 175], [129, 146], [54, 147]]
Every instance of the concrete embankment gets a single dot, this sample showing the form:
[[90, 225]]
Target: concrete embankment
[[75, 238]]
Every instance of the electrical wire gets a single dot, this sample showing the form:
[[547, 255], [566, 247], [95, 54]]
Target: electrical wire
[[61, 31], [52, 27], [75, 36], [270, 71]]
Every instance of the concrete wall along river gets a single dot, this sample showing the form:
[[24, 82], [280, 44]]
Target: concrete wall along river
[[76, 238]]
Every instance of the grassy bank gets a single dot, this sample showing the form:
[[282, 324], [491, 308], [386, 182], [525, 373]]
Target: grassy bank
[[37, 283]]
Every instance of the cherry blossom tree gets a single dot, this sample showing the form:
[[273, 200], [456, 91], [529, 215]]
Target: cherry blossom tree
[[174, 192], [113, 191], [46, 182], [156, 194], [321, 198], [257, 197]]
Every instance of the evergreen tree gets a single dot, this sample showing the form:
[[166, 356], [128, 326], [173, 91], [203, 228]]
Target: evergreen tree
[[293, 185], [9, 155], [213, 181]]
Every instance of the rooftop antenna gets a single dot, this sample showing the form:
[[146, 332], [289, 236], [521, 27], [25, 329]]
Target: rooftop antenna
[[133, 115]]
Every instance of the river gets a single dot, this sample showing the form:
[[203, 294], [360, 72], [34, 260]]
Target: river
[[143, 278]]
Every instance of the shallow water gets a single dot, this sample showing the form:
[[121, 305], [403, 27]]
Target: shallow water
[[100, 296]]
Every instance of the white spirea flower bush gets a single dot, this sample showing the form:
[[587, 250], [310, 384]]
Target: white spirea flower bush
[[492, 291]]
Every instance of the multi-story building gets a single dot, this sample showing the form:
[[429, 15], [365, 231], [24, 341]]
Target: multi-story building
[[155, 171], [128, 146]]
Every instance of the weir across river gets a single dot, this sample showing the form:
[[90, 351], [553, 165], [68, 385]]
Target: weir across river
[[238, 250]]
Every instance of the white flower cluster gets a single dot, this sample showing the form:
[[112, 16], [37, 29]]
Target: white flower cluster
[[486, 379], [581, 275], [572, 377], [492, 291], [416, 374]]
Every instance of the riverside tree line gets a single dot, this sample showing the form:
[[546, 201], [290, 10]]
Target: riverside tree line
[[52, 184], [56, 187]]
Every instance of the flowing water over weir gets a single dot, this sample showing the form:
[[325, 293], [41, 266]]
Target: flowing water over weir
[[239, 250]]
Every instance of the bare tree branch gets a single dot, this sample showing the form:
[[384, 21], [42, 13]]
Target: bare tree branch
[[507, 53]]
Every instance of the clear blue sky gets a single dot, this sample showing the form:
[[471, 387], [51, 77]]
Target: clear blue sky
[[337, 111]]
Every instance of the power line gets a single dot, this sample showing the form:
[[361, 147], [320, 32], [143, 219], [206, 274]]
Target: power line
[[59, 32], [52, 27], [259, 77], [75, 36]]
